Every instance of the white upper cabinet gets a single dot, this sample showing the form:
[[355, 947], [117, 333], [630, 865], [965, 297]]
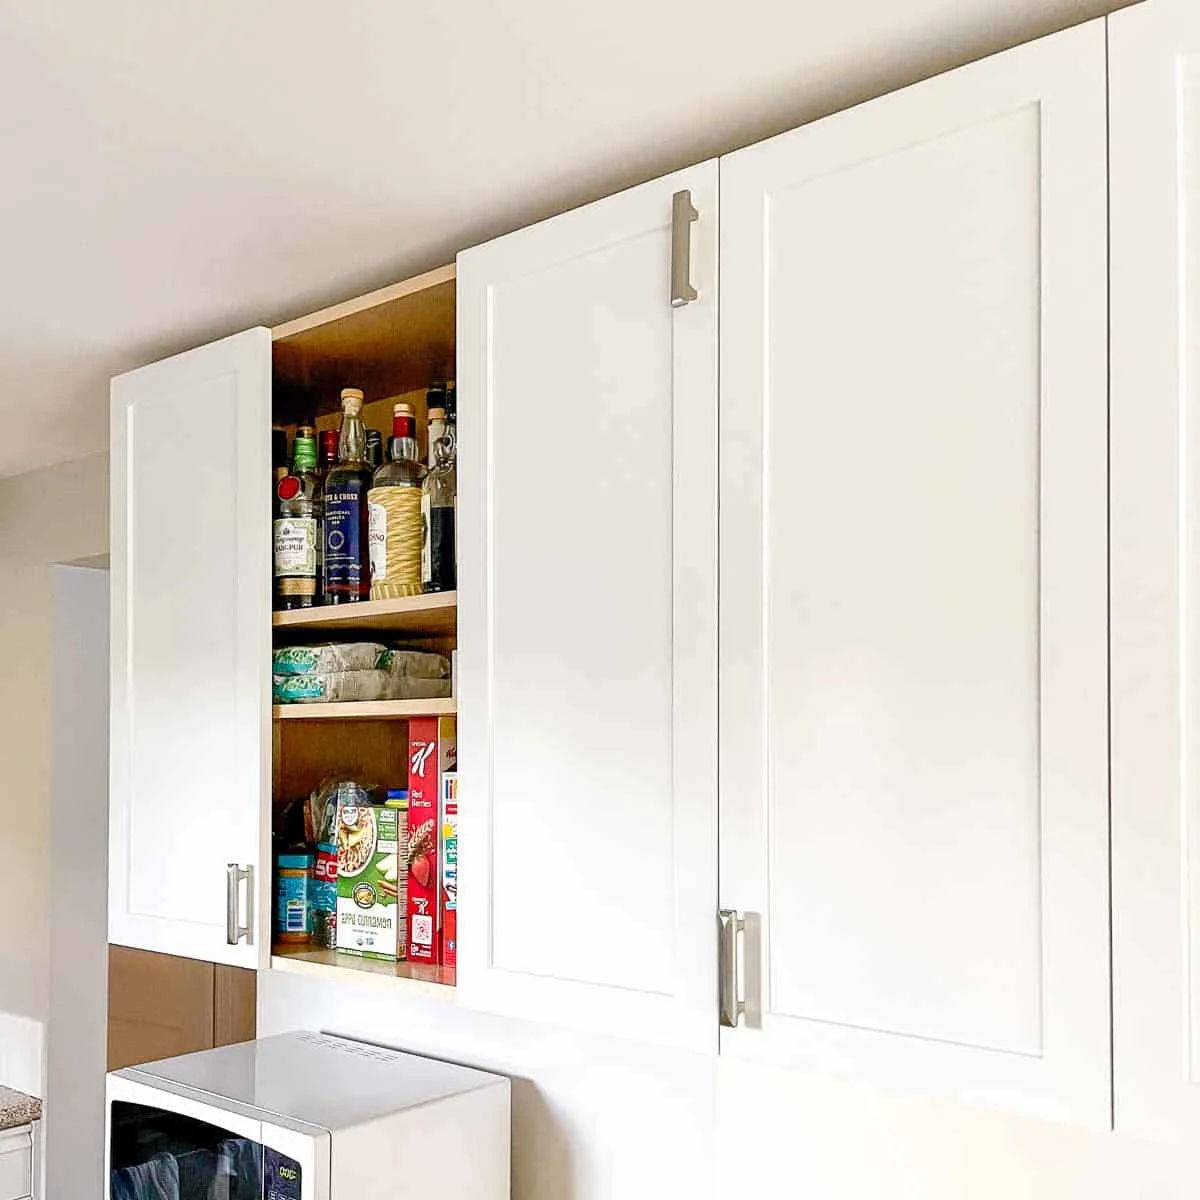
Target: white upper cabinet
[[913, 636], [1155, 160], [587, 617], [191, 621]]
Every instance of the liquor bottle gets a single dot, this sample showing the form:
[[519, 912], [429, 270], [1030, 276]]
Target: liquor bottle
[[329, 452], [452, 420], [347, 552], [374, 449], [438, 504], [298, 527], [436, 429], [394, 503]]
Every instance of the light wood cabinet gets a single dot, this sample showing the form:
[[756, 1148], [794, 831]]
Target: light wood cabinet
[[1154, 65], [587, 505], [914, 801]]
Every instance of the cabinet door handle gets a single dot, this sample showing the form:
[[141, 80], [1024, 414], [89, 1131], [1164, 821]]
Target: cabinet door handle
[[739, 984], [683, 213], [729, 925], [235, 931]]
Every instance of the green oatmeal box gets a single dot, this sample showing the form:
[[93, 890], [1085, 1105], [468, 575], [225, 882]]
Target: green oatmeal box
[[369, 919]]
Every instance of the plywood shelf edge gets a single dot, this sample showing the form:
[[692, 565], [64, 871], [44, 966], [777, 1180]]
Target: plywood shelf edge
[[365, 710], [413, 979], [435, 612]]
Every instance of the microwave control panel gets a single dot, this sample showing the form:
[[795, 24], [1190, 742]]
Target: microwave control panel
[[281, 1177]]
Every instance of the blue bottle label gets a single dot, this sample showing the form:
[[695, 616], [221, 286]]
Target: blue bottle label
[[345, 536]]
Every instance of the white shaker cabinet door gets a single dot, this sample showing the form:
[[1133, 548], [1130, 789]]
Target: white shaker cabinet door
[[1155, 155], [914, 800], [587, 617], [191, 627]]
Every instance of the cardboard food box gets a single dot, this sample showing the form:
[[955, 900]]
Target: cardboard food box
[[449, 897], [368, 916], [432, 753]]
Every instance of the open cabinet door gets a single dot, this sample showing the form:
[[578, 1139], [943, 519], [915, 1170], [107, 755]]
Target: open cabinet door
[[190, 732]]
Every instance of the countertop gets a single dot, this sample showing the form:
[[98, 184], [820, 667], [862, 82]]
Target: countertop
[[17, 1109]]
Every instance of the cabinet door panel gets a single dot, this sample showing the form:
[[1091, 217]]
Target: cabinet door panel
[[1155, 157], [587, 620], [913, 572], [190, 640]]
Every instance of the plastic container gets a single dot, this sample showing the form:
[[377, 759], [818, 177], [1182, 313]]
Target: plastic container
[[293, 908]]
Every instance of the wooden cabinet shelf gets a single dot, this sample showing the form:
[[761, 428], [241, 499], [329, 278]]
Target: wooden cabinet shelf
[[413, 979], [431, 616], [365, 710]]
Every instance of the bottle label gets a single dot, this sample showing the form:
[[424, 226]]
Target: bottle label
[[296, 547], [377, 523], [426, 548], [345, 538]]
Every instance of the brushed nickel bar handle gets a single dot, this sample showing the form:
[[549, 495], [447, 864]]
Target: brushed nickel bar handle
[[683, 213]]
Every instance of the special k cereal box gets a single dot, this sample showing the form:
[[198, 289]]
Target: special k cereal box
[[450, 869], [432, 754]]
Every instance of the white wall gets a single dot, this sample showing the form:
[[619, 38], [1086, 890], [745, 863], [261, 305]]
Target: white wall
[[596, 1119], [77, 1014], [51, 516]]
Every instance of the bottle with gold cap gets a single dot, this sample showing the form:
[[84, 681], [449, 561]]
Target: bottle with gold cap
[[347, 552], [394, 506]]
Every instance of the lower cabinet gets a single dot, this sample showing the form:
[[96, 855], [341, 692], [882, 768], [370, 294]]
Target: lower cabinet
[[16, 1163]]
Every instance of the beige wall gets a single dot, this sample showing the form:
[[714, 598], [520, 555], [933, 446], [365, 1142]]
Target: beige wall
[[46, 517]]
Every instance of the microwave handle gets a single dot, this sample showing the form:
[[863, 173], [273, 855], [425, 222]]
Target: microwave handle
[[235, 931]]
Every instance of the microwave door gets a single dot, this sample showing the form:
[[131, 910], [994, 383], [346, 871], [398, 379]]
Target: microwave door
[[159, 1144]]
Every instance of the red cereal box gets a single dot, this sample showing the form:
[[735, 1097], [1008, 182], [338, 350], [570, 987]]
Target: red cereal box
[[432, 753]]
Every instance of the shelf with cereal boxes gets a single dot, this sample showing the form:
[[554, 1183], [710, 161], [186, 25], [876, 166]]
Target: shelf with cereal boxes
[[395, 849]]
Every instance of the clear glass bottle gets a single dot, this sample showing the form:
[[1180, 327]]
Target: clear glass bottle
[[298, 527], [394, 504], [439, 502], [347, 550]]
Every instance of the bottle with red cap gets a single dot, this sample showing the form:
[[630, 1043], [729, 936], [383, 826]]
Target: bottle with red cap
[[394, 512], [298, 526]]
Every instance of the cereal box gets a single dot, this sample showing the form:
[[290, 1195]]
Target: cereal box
[[449, 791], [368, 867], [432, 753]]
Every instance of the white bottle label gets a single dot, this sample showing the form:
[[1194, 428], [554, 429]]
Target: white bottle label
[[377, 541], [296, 546], [426, 545]]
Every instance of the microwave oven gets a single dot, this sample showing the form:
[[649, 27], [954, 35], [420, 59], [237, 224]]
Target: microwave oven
[[306, 1116]]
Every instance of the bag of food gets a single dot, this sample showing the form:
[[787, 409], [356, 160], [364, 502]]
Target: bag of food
[[329, 659], [332, 687], [415, 664]]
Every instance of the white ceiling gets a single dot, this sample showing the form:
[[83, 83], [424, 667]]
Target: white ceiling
[[175, 171]]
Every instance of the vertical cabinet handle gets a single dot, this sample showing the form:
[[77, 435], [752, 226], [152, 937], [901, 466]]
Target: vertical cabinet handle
[[739, 990], [235, 930], [729, 925], [683, 213]]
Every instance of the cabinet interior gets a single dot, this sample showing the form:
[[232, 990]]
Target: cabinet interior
[[392, 344]]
